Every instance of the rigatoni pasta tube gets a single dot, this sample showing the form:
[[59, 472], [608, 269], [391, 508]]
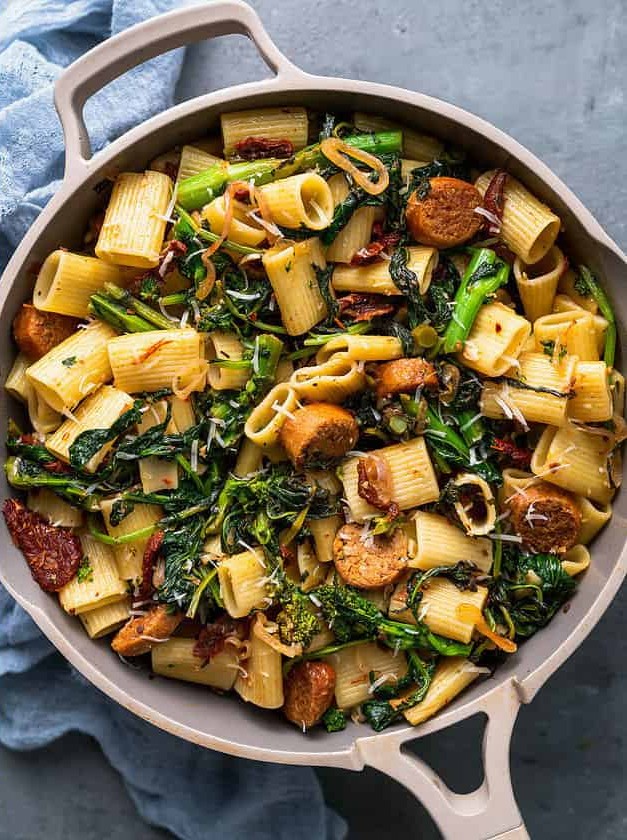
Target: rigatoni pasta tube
[[75, 368], [548, 403], [576, 560], [66, 281], [452, 675], [225, 347], [592, 402], [53, 508], [266, 419], [102, 585], [537, 283], [413, 478], [261, 681], [311, 571], [574, 460], [440, 543], [376, 277], [157, 473], [44, 419], [354, 667], [323, 532], [17, 383], [176, 659], [332, 381], [243, 586], [423, 147], [134, 223], [157, 359], [194, 160], [99, 411], [574, 331], [495, 340], [264, 124], [439, 604], [183, 417], [362, 348], [102, 621], [243, 229], [300, 201], [357, 232], [593, 518], [529, 228], [292, 273], [249, 459], [129, 555]]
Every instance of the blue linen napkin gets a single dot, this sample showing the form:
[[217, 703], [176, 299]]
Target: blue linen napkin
[[193, 792]]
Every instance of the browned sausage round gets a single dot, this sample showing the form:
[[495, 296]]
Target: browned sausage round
[[36, 332], [139, 634], [404, 376], [318, 432], [372, 562], [309, 689], [546, 517], [446, 216]]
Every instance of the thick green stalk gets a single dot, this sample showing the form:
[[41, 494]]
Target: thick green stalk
[[471, 426], [142, 309], [63, 485], [484, 275], [587, 284], [200, 189], [107, 310]]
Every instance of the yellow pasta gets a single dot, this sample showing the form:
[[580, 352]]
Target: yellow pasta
[[54, 508], [376, 277], [176, 659], [356, 233], [194, 160], [413, 478], [66, 281], [574, 331], [332, 381], [292, 274], [134, 224], [439, 608], [574, 460], [261, 681], [243, 228], [529, 227], [362, 348], [129, 555], [440, 543], [264, 124], [98, 411], [476, 505], [243, 584], [263, 426], [423, 147], [17, 383], [102, 621], [98, 586], [452, 675], [537, 283], [534, 371], [323, 533], [183, 417], [576, 560], [495, 340], [225, 347], [249, 459], [311, 571], [593, 517], [566, 286], [157, 359], [592, 402], [73, 369], [157, 473], [354, 667], [300, 201]]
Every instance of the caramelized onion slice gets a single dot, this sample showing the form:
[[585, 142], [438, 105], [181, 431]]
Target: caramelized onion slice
[[469, 612], [340, 154], [374, 481]]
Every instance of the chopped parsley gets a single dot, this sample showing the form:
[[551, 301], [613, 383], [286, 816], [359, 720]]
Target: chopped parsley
[[69, 362], [548, 348], [85, 572]]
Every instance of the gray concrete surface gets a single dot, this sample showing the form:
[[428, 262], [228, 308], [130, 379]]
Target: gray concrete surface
[[554, 75]]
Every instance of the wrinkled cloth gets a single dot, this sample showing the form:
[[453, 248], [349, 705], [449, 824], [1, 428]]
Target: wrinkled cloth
[[193, 792]]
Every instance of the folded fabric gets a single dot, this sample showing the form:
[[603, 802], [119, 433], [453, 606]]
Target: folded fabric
[[191, 791]]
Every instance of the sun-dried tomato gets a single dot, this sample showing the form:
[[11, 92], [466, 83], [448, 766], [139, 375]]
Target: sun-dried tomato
[[494, 200], [389, 239], [253, 148], [212, 638], [518, 456], [365, 307], [501, 250], [177, 247], [57, 467], [52, 553], [368, 254], [151, 552]]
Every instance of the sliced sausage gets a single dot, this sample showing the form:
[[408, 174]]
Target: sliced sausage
[[53, 554], [318, 432], [446, 216], [546, 517], [309, 689], [140, 633], [369, 562], [404, 376], [36, 332]]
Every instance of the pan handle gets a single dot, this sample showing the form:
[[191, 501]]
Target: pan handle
[[144, 41], [488, 813]]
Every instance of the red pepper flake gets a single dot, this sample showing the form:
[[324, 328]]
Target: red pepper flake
[[365, 307], [253, 148], [151, 553], [494, 201], [52, 553], [518, 456], [212, 638]]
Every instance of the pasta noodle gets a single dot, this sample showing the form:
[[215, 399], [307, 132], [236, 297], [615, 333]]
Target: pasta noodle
[[376, 278], [66, 281], [291, 271], [264, 124]]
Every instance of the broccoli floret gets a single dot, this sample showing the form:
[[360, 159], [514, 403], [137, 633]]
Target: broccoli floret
[[334, 720], [297, 622], [149, 289]]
